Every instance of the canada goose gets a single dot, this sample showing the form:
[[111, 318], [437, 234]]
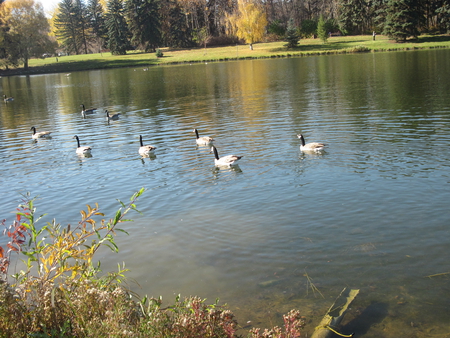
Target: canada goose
[[313, 146], [85, 111], [82, 150], [145, 150], [228, 160], [205, 140], [7, 99], [111, 116], [41, 134]]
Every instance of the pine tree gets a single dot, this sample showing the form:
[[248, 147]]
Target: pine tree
[[117, 28], [96, 19], [444, 15], [322, 30], [292, 35], [354, 16], [175, 31], [144, 23], [71, 26], [402, 19]]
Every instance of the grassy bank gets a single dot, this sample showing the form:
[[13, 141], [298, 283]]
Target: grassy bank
[[307, 47]]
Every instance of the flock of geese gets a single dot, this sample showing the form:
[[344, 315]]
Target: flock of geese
[[149, 150]]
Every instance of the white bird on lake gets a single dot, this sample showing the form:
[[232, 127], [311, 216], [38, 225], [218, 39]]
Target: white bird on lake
[[111, 116], [85, 111], [145, 150], [313, 146], [205, 140], [84, 150], [227, 160], [41, 134]]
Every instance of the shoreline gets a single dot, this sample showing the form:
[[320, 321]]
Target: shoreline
[[272, 50]]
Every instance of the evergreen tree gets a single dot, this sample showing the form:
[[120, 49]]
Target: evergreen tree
[[144, 23], [81, 13], [444, 15], [322, 32], [175, 31], [292, 35], [117, 28], [68, 28], [402, 19], [97, 24], [354, 16]]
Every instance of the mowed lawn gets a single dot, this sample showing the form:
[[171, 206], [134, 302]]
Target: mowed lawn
[[342, 44]]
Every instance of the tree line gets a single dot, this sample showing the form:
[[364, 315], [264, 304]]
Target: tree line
[[87, 26]]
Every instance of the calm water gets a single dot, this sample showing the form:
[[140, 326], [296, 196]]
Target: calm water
[[372, 212]]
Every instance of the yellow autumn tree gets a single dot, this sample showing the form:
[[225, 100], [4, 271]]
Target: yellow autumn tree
[[248, 22], [28, 30]]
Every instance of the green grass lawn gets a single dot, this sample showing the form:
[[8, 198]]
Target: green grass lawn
[[334, 45]]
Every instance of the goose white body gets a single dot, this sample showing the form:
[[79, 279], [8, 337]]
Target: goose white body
[[226, 161], [41, 134], [205, 140], [145, 150], [111, 116], [82, 150], [313, 146]]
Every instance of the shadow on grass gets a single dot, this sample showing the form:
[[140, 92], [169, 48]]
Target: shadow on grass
[[438, 38], [73, 66], [330, 45]]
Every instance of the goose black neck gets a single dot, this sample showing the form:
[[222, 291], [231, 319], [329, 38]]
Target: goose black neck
[[302, 139], [196, 133], [34, 130], [78, 141], [216, 154], [140, 140]]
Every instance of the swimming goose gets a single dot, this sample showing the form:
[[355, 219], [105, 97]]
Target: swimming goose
[[205, 140], [85, 111], [41, 134], [227, 160], [145, 150], [82, 150], [7, 99], [313, 146], [111, 116]]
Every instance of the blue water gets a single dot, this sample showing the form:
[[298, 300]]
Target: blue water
[[371, 212]]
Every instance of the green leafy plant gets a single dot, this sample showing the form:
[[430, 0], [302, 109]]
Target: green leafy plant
[[60, 292], [58, 268]]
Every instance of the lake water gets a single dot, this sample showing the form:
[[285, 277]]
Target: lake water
[[284, 229]]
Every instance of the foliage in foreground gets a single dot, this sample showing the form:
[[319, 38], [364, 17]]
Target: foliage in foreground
[[60, 292]]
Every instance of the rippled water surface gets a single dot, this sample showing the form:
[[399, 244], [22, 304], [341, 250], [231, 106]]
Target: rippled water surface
[[284, 229]]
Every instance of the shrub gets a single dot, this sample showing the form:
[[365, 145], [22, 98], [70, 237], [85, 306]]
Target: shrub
[[159, 53], [276, 27], [308, 28], [359, 49]]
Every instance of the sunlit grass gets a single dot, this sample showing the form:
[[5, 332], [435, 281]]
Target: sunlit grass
[[307, 47]]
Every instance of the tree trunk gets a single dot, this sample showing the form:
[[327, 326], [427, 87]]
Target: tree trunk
[[251, 47]]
